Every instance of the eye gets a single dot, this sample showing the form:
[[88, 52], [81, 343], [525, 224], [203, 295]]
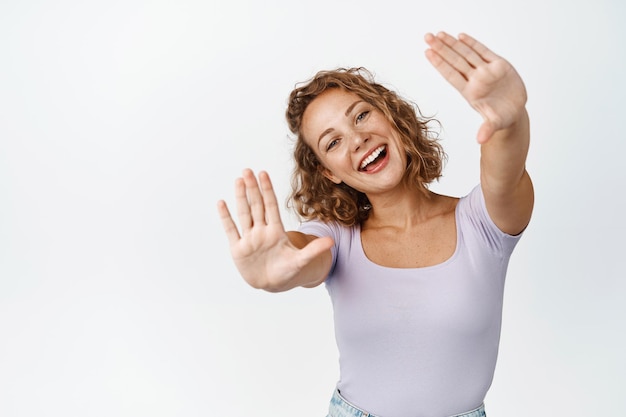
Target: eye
[[362, 116], [332, 144]]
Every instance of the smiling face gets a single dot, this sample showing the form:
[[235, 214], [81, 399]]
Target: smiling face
[[354, 141]]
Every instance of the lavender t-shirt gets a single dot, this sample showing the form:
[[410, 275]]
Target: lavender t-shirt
[[419, 342]]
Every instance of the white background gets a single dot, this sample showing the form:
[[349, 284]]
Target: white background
[[123, 122]]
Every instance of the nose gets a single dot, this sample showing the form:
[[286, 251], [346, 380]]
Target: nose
[[358, 140]]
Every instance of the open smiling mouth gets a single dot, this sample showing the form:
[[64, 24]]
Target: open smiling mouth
[[373, 159]]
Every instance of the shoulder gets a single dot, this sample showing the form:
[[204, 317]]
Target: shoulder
[[342, 236], [321, 228], [474, 200], [474, 220]]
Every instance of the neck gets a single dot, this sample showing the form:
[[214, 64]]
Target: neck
[[401, 209]]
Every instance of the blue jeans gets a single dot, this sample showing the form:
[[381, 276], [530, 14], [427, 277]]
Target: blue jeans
[[339, 407]]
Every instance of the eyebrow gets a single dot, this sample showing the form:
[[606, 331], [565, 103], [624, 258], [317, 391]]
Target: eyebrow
[[347, 113]]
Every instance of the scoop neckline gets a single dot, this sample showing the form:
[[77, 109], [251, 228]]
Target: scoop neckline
[[419, 268]]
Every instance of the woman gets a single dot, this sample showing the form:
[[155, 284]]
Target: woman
[[416, 279]]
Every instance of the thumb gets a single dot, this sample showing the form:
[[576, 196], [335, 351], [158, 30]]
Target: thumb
[[485, 132], [316, 247]]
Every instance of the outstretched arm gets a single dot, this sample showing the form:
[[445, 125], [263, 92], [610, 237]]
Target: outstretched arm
[[267, 256], [492, 87]]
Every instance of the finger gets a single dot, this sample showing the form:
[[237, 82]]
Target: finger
[[257, 210], [485, 53], [462, 49], [272, 211], [449, 55], [450, 74], [243, 206], [232, 234]]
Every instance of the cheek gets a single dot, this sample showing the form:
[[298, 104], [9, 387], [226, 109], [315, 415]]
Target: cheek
[[337, 160]]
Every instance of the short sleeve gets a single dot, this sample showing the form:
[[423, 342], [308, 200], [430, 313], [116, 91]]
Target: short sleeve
[[474, 214], [323, 229]]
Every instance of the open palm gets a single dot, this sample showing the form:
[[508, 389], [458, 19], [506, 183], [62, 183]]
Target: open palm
[[487, 81], [263, 252]]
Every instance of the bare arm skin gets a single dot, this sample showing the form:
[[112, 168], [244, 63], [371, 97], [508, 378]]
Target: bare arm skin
[[267, 256], [492, 87]]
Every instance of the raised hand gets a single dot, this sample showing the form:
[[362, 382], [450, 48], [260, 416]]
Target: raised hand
[[263, 252], [487, 81]]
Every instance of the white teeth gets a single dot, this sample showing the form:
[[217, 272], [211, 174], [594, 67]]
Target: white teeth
[[372, 156]]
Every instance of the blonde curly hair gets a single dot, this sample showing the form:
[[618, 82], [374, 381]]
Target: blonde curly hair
[[314, 196]]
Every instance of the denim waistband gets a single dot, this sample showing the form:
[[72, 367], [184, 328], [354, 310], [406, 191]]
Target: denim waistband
[[340, 407]]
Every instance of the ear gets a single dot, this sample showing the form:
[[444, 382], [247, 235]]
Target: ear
[[328, 174]]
